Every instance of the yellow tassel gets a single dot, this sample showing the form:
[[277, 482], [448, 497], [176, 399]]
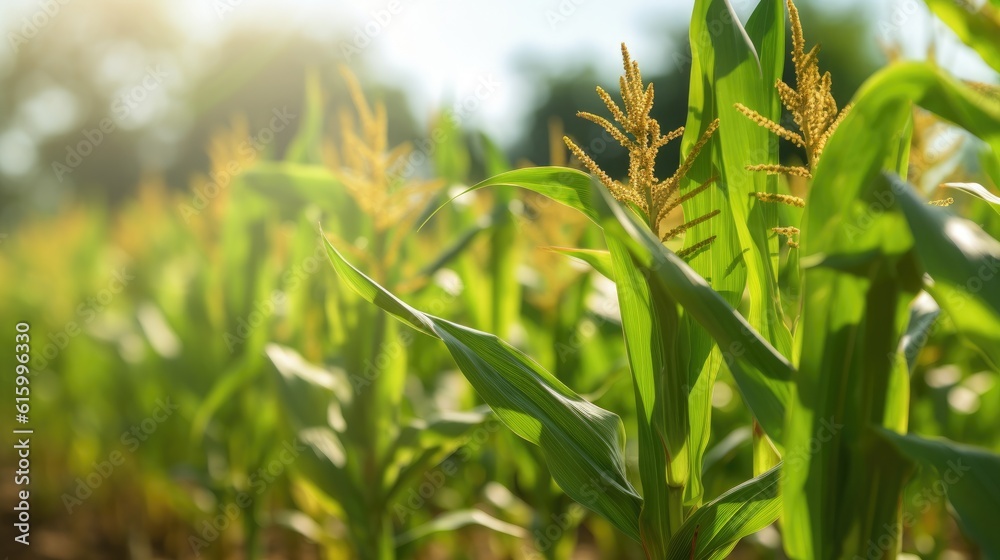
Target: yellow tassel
[[943, 202], [772, 169], [685, 253], [640, 134], [780, 198]]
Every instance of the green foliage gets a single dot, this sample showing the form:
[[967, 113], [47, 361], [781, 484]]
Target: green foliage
[[841, 483], [687, 392]]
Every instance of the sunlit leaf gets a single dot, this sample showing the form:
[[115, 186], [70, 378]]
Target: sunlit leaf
[[583, 444]]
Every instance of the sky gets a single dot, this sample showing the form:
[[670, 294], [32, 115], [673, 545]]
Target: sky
[[467, 52], [445, 51]]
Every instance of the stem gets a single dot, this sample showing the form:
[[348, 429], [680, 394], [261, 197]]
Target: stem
[[251, 540], [675, 509]]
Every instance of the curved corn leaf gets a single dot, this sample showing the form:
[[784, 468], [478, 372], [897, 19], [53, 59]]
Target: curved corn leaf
[[978, 191], [561, 184], [596, 258], [964, 262], [971, 478], [583, 444], [455, 520], [714, 529], [762, 374]]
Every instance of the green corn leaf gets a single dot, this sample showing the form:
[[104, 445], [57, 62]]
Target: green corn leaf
[[313, 396], [455, 520], [714, 529], [323, 468], [762, 374], [504, 258], [727, 447], [441, 428], [978, 28], [964, 262], [454, 250], [228, 384], [583, 444], [306, 146], [424, 443], [291, 186], [923, 314], [600, 260], [648, 315], [970, 476], [744, 35], [852, 322], [724, 73], [725, 70], [566, 186]]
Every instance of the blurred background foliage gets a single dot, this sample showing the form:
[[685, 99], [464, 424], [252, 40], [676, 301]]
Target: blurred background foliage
[[206, 288], [81, 69]]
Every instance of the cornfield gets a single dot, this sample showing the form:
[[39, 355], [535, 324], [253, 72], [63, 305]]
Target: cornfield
[[784, 346]]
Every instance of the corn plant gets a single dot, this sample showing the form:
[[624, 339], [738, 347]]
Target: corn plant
[[827, 387], [374, 436]]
